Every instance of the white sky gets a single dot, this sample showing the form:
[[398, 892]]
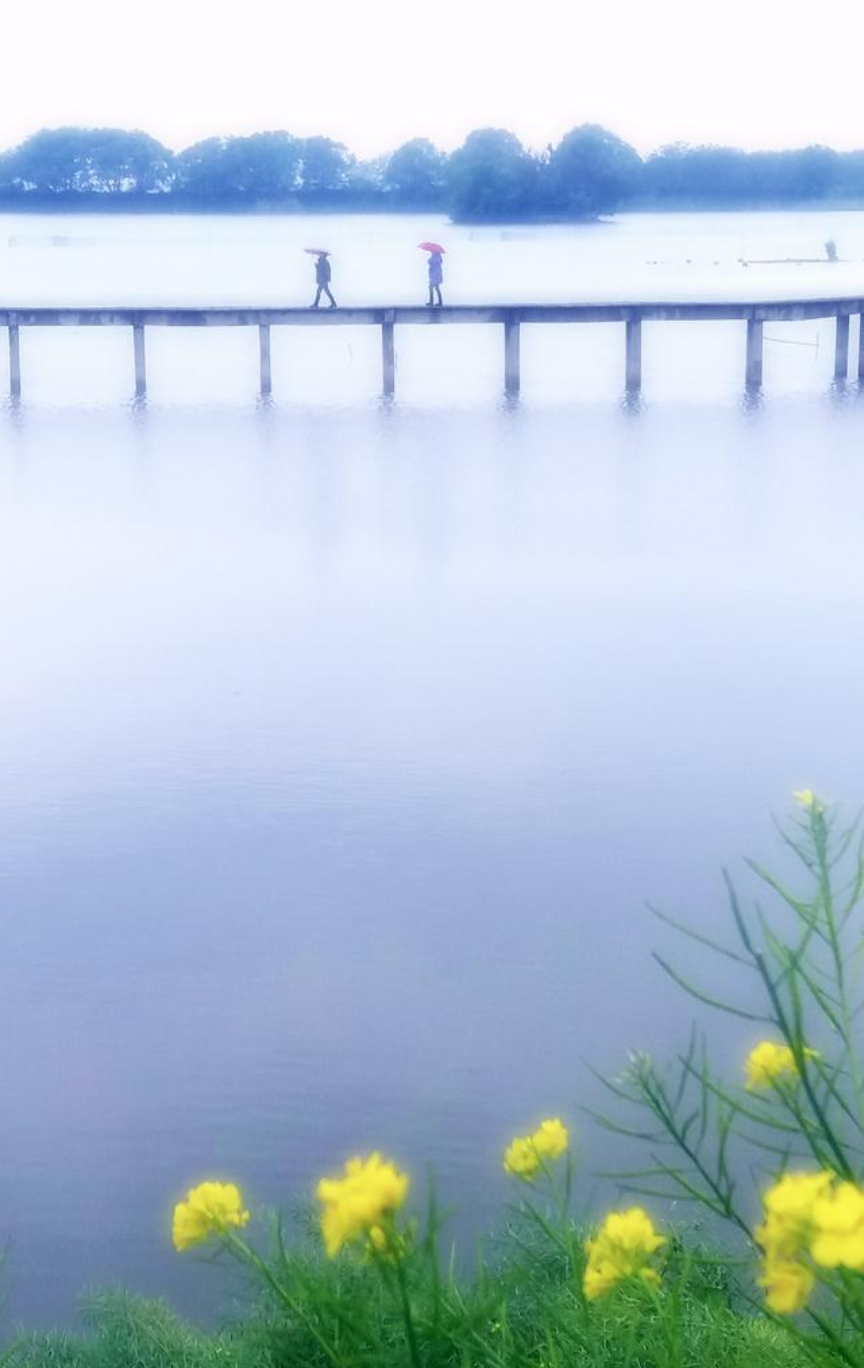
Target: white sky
[[372, 73]]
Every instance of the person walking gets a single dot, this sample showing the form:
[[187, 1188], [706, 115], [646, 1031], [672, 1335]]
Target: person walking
[[323, 276], [436, 279]]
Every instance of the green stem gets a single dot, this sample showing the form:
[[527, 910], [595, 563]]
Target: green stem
[[831, 1335], [789, 1036], [820, 840], [549, 1230], [407, 1316], [245, 1254], [660, 1106]]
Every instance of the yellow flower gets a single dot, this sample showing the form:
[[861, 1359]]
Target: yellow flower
[[787, 1284], [808, 1214], [807, 799], [209, 1209], [356, 1205], [769, 1061], [525, 1155], [551, 1138], [789, 1211], [521, 1158], [838, 1228], [621, 1249], [791, 1207]]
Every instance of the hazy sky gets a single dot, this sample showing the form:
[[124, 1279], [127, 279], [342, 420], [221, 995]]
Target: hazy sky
[[372, 73]]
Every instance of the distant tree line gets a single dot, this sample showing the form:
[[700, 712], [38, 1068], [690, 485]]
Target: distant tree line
[[491, 177]]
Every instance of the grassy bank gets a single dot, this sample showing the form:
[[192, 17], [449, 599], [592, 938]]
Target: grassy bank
[[522, 1315]]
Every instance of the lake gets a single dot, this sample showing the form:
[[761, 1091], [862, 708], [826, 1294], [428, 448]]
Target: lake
[[344, 742]]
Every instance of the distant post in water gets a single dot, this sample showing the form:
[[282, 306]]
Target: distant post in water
[[264, 353], [861, 347], [753, 371], [140, 361], [14, 359], [633, 365], [388, 354], [512, 357], [841, 347]]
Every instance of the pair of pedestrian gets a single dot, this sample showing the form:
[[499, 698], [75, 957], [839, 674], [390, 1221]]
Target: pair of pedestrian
[[324, 274]]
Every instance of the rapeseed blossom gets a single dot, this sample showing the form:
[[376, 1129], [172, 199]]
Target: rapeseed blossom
[[208, 1209], [360, 1204], [807, 799], [787, 1283], [768, 1062], [526, 1155], [786, 1237], [622, 1249], [838, 1228]]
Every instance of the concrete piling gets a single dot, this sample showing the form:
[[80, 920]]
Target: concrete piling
[[140, 361], [512, 357], [633, 362], [264, 357], [753, 368], [14, 360], [388, 355], [841, 347]]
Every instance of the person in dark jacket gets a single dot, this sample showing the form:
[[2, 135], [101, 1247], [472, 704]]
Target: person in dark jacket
[[436, 278], [323, 275]]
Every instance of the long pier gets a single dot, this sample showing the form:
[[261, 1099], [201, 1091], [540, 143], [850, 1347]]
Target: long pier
[[510, 317]]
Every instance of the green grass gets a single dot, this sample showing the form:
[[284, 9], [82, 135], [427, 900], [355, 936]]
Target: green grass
[[524, 1312]]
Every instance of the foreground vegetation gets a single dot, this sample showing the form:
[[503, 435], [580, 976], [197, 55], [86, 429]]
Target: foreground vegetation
[[524, 1317], [369, 1282]]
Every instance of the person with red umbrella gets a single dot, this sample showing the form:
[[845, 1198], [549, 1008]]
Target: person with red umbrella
[[323, 275], [436, 271]]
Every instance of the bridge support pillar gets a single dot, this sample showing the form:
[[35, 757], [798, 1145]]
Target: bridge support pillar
[[633, 363], [861, 347], [841, 347], [388, 354], [753, 368], [140, 360], [512, 358], [264, 356], [14, 361]]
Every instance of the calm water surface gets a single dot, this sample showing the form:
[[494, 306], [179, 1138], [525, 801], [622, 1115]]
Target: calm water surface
[[343, 743]]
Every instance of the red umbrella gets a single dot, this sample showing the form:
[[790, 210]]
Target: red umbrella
[[316, 251], [431, 247]]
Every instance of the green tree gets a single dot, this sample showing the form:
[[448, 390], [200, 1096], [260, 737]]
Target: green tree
[[261, 168], [491, 177], [592, 171], [415, 174], [325, 169], [89, 161]]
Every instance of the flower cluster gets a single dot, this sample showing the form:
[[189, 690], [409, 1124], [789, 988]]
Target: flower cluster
[[622, 1249], [769, 1063], [527, 1154], [808, 800], [209, 1209], [812, 1220], [362, 1203]]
